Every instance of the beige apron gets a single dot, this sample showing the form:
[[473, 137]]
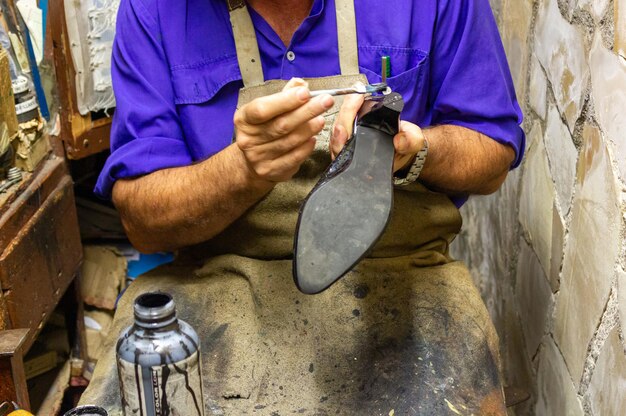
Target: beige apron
[[405, 333]]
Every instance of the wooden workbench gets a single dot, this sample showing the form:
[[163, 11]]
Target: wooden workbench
[[40, 255]]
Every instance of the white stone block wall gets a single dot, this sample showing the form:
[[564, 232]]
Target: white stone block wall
[[548, 250]]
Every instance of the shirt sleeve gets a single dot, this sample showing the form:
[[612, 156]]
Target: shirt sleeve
[[472, 85], [146, 134]]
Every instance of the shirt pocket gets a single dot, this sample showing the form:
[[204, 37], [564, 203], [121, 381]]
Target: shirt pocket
[[205, 94], [409, 77], [199, 82]]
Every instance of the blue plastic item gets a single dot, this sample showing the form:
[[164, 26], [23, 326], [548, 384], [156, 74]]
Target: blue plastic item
[[147, 262], [34, 70]]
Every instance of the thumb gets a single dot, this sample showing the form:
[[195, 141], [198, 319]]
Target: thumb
[[338, 140], [348, 111], [401, 143]]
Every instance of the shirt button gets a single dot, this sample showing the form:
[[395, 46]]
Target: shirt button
[[291, 56]]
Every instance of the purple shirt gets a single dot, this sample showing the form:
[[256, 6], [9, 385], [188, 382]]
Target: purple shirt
[[176, 77]]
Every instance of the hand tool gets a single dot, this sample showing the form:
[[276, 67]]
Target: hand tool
[[356, 89]]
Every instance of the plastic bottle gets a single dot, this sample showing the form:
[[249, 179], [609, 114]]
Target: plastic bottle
[[26, 106], [158, 360]]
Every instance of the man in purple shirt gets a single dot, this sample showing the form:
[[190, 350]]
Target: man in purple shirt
[[176, 79], [189, 165]]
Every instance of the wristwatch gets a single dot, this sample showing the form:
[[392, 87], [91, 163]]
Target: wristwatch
[[415, 169]]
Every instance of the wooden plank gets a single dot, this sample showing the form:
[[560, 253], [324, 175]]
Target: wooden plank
[[93, 139], [52, 403], [26, 199], [7, 384], [12, 379], [20, 203], [62, 62], [81, 330], [7, 100], [11, 341], [81, 135], [5, 322], [38, 265]]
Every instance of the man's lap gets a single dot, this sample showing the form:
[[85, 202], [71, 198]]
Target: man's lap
[[388, 336]]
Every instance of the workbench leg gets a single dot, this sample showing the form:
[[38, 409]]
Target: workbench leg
[[74, 311], [12, 377]]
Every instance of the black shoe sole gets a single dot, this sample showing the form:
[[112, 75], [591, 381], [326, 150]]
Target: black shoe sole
[[348, 210]]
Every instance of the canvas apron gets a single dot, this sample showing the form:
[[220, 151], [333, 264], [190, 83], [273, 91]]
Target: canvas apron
[[405, 331]]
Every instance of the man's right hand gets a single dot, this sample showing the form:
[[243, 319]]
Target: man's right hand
[[175, 207], [276, 133]]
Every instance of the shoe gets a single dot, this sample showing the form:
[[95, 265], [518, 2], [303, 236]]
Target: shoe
[[349, 208]]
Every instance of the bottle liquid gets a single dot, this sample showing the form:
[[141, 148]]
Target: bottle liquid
[[158, 361]]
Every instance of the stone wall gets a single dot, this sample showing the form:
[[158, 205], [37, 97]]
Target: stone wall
[[547, 250]]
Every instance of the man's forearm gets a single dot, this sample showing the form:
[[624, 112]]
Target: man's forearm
[[460, 161], [463, 161], [175, 207], [178, 207]]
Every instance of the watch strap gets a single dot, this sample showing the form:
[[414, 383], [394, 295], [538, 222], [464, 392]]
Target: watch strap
[[415, 169]]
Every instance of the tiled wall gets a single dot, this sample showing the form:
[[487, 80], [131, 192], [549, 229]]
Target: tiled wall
[[547, 250]]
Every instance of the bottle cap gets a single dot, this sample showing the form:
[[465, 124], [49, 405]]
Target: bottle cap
[[87, 410]]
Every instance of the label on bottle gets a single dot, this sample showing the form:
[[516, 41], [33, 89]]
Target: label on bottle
[[26, 106], [171, 389]]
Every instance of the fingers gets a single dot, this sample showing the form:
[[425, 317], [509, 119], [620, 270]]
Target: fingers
[[349, 109], [286, 123], [275, 133], [345, 122], [338, 140], [407, 143], [288, 164], [276, 148], [294, 94], [284, 167], [263, 109], [410, 139], [279, 127]]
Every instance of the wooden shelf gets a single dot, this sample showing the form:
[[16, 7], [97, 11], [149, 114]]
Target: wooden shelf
[[82, 135], [40, 255]]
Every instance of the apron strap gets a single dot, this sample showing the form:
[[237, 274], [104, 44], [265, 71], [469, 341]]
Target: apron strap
[[247, 47], [246, 44], [346, 37]]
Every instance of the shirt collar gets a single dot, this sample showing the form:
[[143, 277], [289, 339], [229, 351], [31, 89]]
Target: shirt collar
[[317, 11]]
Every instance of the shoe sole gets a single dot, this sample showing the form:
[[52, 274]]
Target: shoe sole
[[343, 218]]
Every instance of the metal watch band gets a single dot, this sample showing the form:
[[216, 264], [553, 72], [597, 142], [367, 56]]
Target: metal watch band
[[415, 169]]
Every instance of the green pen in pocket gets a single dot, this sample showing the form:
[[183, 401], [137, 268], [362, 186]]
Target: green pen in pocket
[[385, 71]]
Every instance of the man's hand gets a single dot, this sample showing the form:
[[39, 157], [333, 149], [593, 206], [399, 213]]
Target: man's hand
[[176, 207], [276, 133], [460, 160], [407, 142]]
